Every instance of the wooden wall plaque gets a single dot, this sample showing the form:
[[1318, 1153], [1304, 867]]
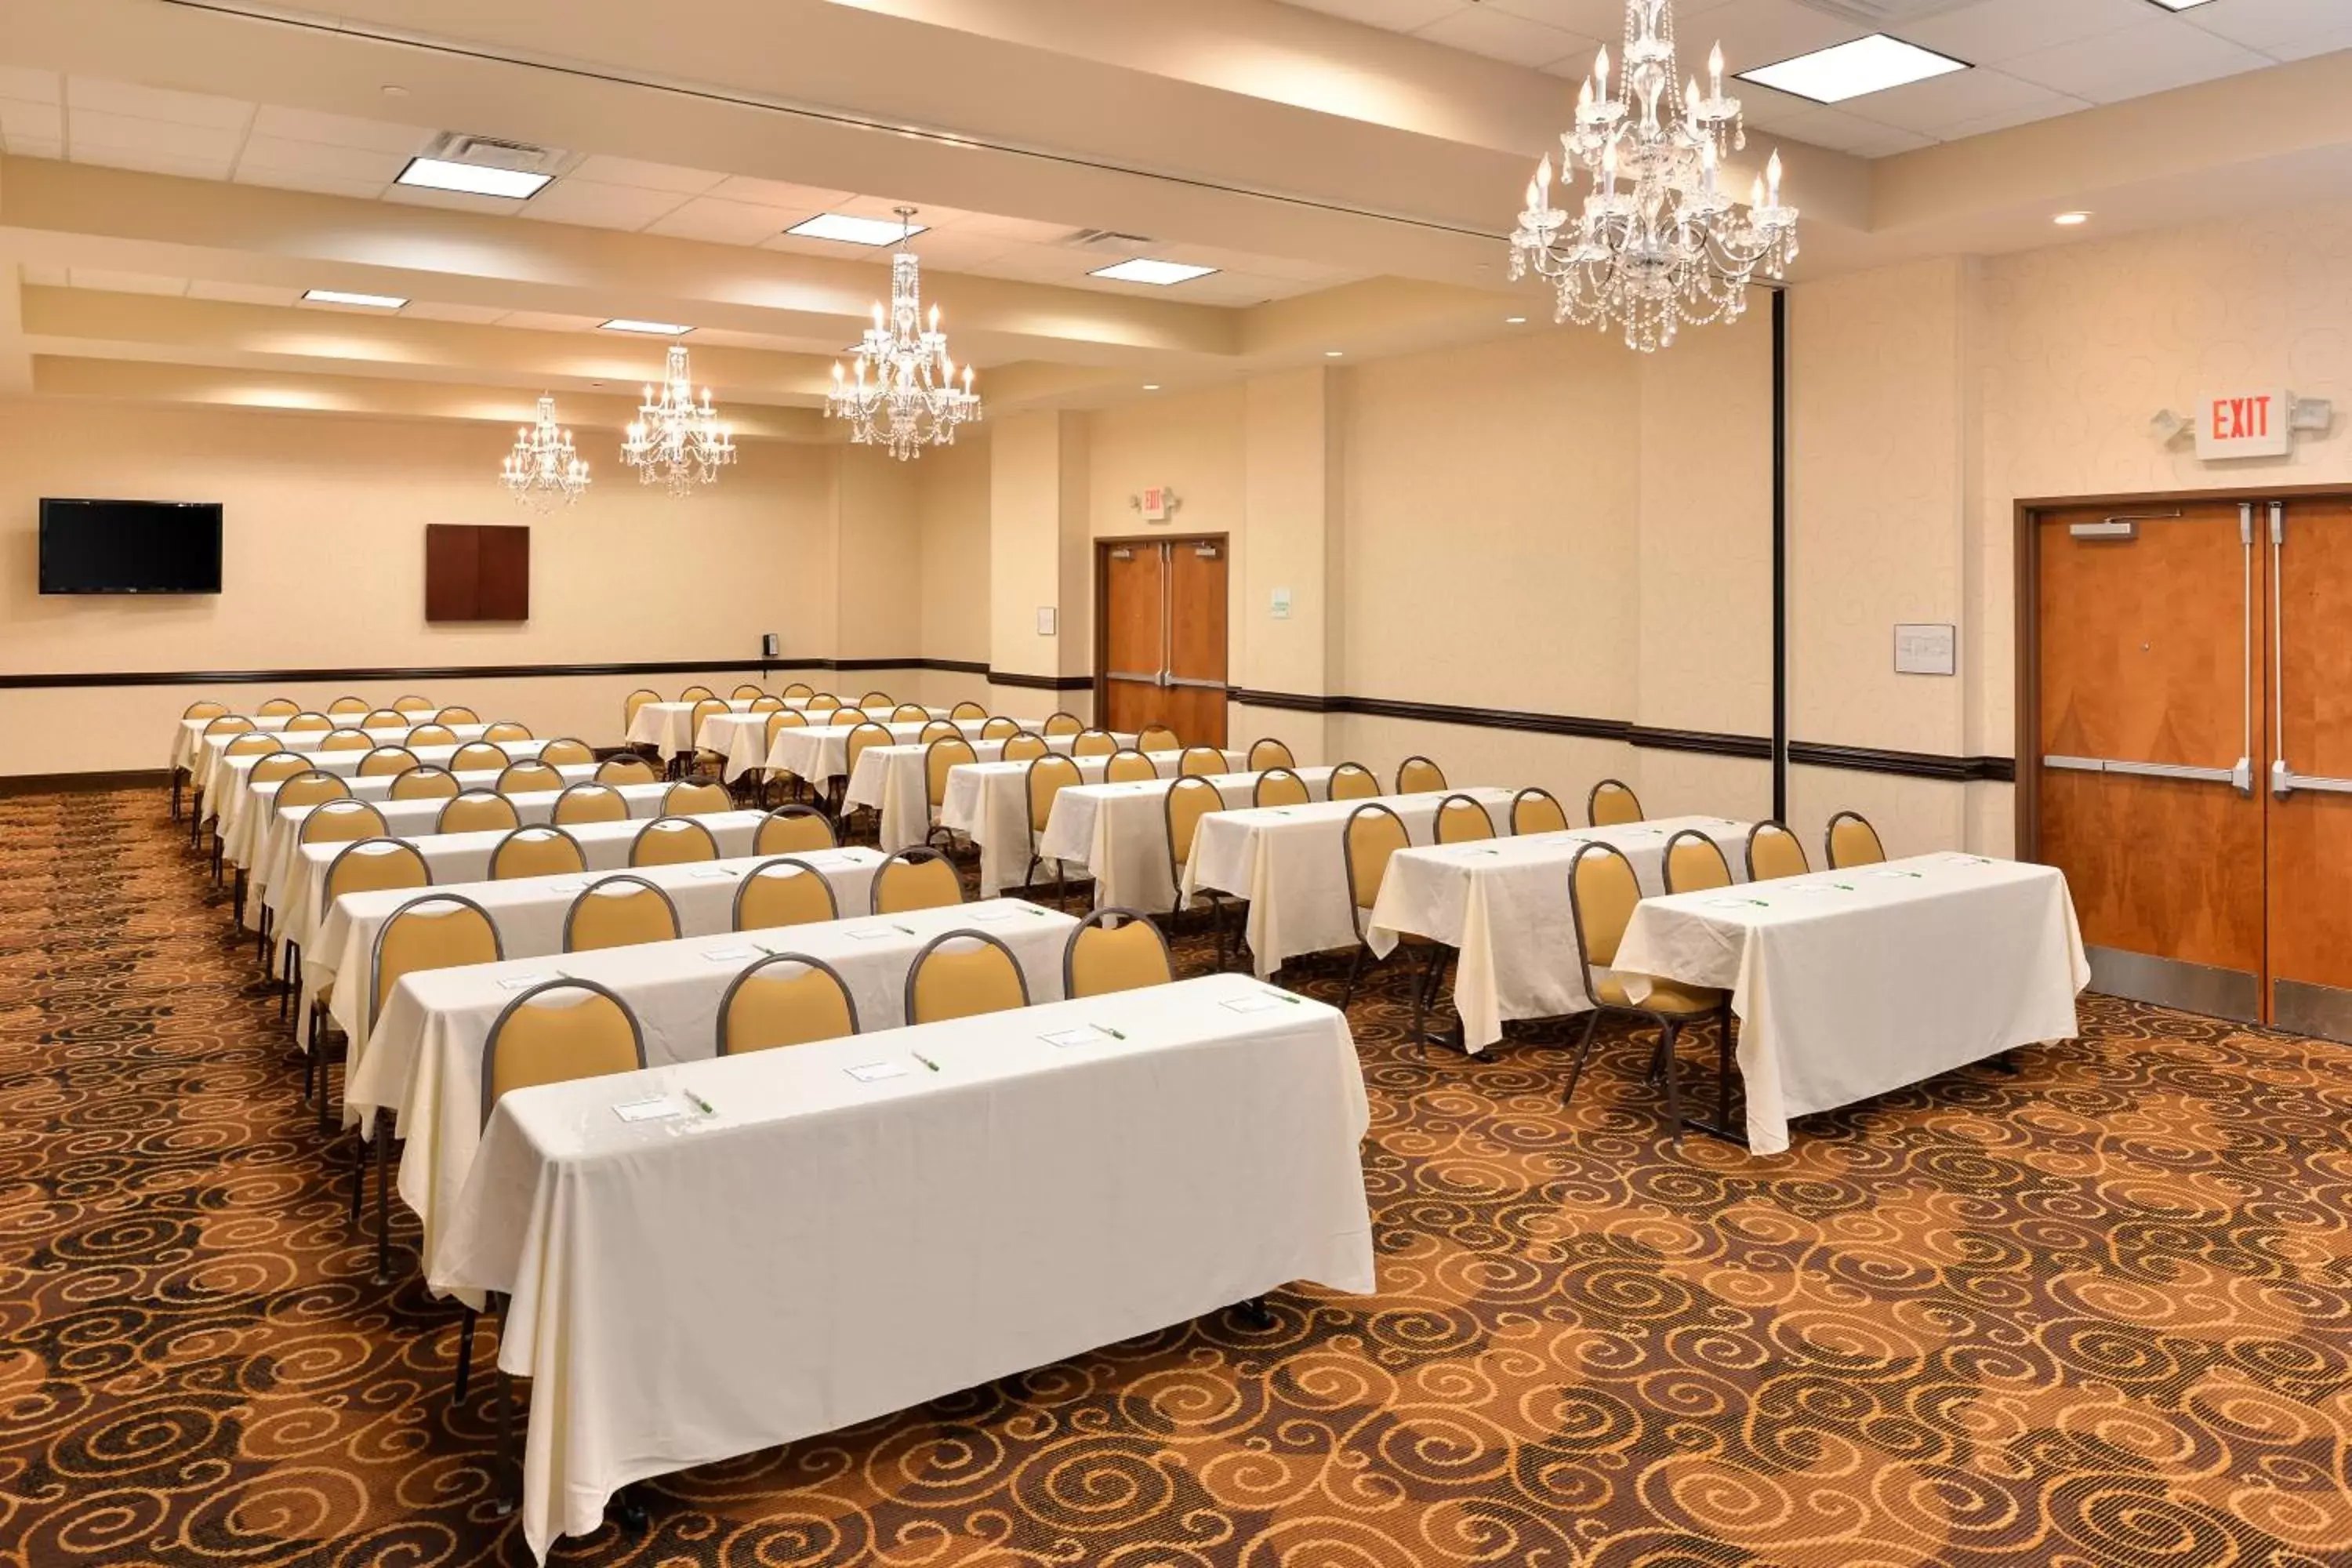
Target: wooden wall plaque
[[476, 572]]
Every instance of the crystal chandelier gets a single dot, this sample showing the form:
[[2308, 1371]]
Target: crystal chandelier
[[1656, 244], [911, 400], [543, 468], [676, 441]]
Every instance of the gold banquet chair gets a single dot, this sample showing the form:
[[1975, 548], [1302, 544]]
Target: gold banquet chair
[[537, 851], [915, 879], [1279, 787], [1537, 810], [1158, 738], [625, 769], [939, 758], [584, 803], [1602, 894], [1094, 743], [792, 830], [1461, 820], [784, 999], [1353, 781], [479, 757], [1129, 767], [1851, 841], [387, 760], [961, 974], [277, 707], [999, 728], [1046, 778], [567, 752], [1268, 753], [1774, 851], [1612, 804], [672, 841], [914, 713], [1201, 761], [362, 866], [458, 715], [1115, 950], [967, 708], [530, 776], [632, 702], [746, 692], [1062, 723], [1694, 863], [1418, 775], [412, 704], [477, 811], [696, 800], [783, 892], [801, 689], [346, 707], [1373, 836], [432, 735], [1189, 800], [504, 731], [425, 784], [1025, 748], [696, 694], [619, 910], [935, 729]]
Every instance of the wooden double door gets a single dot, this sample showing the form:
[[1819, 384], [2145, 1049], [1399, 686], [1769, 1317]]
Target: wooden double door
[[2192, 687], [1161, 650]]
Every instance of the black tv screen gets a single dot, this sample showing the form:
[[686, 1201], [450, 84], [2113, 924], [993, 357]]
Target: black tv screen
[[131, 547]]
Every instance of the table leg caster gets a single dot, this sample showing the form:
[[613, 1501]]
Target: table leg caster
[[1255, 1313], [629, 1514]]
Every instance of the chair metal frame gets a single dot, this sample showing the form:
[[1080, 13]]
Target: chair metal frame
[[571, 911], [806, 961], [735, 913], [1102, 918], [923, 953]]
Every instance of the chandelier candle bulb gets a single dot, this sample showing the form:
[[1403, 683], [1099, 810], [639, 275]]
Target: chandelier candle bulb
[[912, 401]]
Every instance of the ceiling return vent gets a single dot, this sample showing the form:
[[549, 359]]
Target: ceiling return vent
[[489, 153], [1884, 14], [1108, 240]]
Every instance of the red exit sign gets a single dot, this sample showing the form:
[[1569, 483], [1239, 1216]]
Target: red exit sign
[[2243, 425]]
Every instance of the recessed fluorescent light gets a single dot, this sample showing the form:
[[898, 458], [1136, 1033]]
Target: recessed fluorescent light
[[1848, 70], [343, 297], [854, 230], [2176, 5], [1151, 386], [1145, 269], [474, 179], [1515, 320], [1334, 354], [650, 329], [2070, 219]]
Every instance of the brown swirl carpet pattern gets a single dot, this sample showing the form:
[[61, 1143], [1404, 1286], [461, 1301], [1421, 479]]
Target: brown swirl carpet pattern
[[2097, 1313]]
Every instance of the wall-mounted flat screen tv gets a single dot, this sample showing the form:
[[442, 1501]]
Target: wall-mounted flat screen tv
[[131, 547]]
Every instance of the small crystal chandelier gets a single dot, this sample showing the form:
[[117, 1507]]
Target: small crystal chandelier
[[676, 441], [543, 468], [1668, 248], [912, 401]]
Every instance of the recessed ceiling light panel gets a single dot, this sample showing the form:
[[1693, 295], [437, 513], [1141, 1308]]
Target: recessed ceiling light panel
[[1851, 70], [473, 179], [2177, 4], [852, 230], [1146, 269], [649, 329], [2069, 220], [344, 296]]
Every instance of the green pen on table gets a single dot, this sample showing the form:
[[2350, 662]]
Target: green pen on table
[[1114, 1033], [896, 926], [925, 1060], [1843, 887], [700, 1104]]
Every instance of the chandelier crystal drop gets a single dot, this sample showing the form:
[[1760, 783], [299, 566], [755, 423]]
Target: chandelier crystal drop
[[1656, 244], [904, 395], [676, 441], [543, 468]]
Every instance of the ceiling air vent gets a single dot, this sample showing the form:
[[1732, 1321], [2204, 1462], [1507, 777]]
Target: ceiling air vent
[[1879, 14], [1107, 239], [489, 153]]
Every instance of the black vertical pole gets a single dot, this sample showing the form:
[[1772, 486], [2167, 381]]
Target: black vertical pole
[[1781, 554]]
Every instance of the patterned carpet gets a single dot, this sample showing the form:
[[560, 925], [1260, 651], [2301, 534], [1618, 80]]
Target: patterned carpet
[[2097, 1313]]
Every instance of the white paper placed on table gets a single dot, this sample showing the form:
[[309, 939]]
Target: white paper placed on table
[[1871, 982], [945, 1229]]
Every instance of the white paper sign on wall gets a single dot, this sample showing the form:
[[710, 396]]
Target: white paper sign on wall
[[2244, 425], [1926, 649]]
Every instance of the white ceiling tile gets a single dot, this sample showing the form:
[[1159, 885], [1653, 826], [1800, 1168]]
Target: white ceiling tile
[[607, 170], [319, 158], [954, 249], [1842, 132], [1498, 35], [574, 200], [1991, 31], [1020, 230], [93, 128], [2265, 23], [780, 193], [22, 120], [456, 201], [929, 215], [1933, 107], [33, 86], [1759, 32], [1600, 19], [37, 146], [1043, 263], [96, 93], [473, 315], [45, 277], [381, 136], [318, 184], [126, 282], [242, 293], [2152, 56], [1396, 15], [153, 162], [551, 322], [833, 249], [724, 222], [2325, 43]]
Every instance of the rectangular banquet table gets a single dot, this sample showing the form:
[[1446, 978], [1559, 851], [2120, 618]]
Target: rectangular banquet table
[[1289, 862], [1119, 832], [821, 754], [424, 1059], [187, 733], [230, 773], [988, 802], [529, 913], [743, 738], [825, 1247], [466, 857], [1850, 983], [211, 757], [256, 830], [668, 727], [1503, 905]]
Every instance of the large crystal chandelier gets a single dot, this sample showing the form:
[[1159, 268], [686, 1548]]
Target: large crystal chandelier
[[904, 395], [1656, 244], [543, 468], [676, 441]]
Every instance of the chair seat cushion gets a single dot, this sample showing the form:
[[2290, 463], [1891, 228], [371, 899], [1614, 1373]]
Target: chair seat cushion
[[1664, 996]]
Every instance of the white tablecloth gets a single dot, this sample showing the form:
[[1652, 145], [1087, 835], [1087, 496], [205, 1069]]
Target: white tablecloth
[[186, 733], [230, 773], [743, 738], [255, 831], [1504, 904], [529, 913], [1119, 832], [211, 763], [668, 727], [822, 752], [821, 1250], [1289, 862], [1850, 983], [425, 1060], [466, 857], [988, 802]]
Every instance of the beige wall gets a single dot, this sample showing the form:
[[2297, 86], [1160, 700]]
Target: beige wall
[[952, 499]]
